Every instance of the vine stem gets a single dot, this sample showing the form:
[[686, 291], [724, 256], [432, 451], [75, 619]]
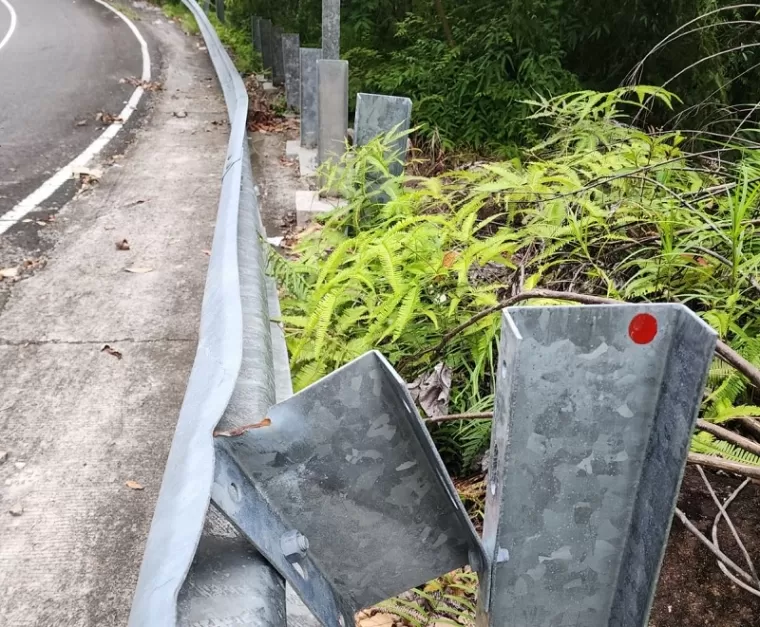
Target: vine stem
[[722, 350]]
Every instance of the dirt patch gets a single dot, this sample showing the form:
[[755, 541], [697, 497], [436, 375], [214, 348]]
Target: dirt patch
[[692, 591], [276, 176]]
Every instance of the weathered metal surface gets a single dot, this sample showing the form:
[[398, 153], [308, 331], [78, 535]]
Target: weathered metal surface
[[377, 115], [348, 463], [594, 411], [231, 584], [250, 511]]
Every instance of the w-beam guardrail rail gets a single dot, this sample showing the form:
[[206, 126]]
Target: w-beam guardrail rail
[[339, 491]]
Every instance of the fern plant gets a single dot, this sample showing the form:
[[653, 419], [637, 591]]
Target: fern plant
[[599, 207]]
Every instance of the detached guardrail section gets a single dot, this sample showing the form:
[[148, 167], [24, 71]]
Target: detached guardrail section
[[339, 491]]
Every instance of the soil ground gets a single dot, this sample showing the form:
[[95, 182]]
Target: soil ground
[[692, 591]]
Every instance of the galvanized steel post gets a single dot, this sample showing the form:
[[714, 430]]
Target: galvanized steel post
[[595, 407]]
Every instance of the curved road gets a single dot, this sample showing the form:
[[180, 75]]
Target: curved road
[[60, 65]]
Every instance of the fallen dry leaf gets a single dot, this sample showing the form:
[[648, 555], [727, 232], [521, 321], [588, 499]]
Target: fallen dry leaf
[[107, 118], [16, 510], [122, 245], [233, 433], [111, 351], [180, 114], [449, 258], [40, 223], [138, 269], [133, 485], [81, 123], [378, 620], [146, 85], [8, 273], [431, 390], [206, 252]]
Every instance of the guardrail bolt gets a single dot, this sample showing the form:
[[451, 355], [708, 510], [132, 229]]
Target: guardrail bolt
[[294, 545]]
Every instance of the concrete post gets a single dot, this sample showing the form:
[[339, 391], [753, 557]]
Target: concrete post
[[377, 115], [332, 78], [595, 407], [331, 29], [220, 9], [265, 29], [309, 97], [256, 33], [278, 64], [291, 54]]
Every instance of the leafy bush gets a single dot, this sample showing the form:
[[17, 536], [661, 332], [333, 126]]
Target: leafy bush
[[600, 207]]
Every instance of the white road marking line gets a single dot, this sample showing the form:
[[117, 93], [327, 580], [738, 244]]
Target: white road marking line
[[12, 27], [49, 187]]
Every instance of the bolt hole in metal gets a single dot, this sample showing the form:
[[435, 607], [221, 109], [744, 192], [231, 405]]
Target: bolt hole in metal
[[234, 492]]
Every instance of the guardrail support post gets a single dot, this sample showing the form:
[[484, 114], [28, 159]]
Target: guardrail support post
[[377, 115], [595, 408], [278, 62], [256, 33], [332, 81], [309, 96], [331, 29], [220, 10], [292, 61], [265, 29]]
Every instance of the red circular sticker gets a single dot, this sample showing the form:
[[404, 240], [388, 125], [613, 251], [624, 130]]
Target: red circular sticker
[[643, 328]]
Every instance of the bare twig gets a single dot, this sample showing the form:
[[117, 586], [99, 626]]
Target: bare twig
[[722, 557], [481, 415], [721, 565], [722, 350], [729, 436], [750, 424], [729, 522], [718, 463]]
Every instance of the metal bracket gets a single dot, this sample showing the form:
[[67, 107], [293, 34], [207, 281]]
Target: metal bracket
[[595, 407], [347, 468]]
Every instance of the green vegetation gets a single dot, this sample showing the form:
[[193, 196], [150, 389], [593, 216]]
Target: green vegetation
[[469, 65], [179, 12], [600, 207], [234, 34]]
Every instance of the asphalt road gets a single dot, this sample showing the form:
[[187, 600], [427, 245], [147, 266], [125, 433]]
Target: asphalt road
[[60, 66]]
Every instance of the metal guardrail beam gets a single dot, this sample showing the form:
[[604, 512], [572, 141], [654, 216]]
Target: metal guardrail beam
[[235, 274]]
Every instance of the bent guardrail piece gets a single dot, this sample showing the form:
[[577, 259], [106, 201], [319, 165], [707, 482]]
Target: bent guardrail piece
[[595, 407], [341, 488]]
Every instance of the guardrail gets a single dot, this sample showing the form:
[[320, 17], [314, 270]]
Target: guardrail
[[339, 490], [233, 360]]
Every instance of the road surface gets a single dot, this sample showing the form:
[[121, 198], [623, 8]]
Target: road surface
[[79, 424], [60, 64]]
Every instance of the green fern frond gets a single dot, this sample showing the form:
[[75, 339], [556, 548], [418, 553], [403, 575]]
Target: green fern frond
[[708, 444], [323, 313], [406, 311]]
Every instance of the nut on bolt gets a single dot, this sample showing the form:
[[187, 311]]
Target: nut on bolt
[[294, 545]]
